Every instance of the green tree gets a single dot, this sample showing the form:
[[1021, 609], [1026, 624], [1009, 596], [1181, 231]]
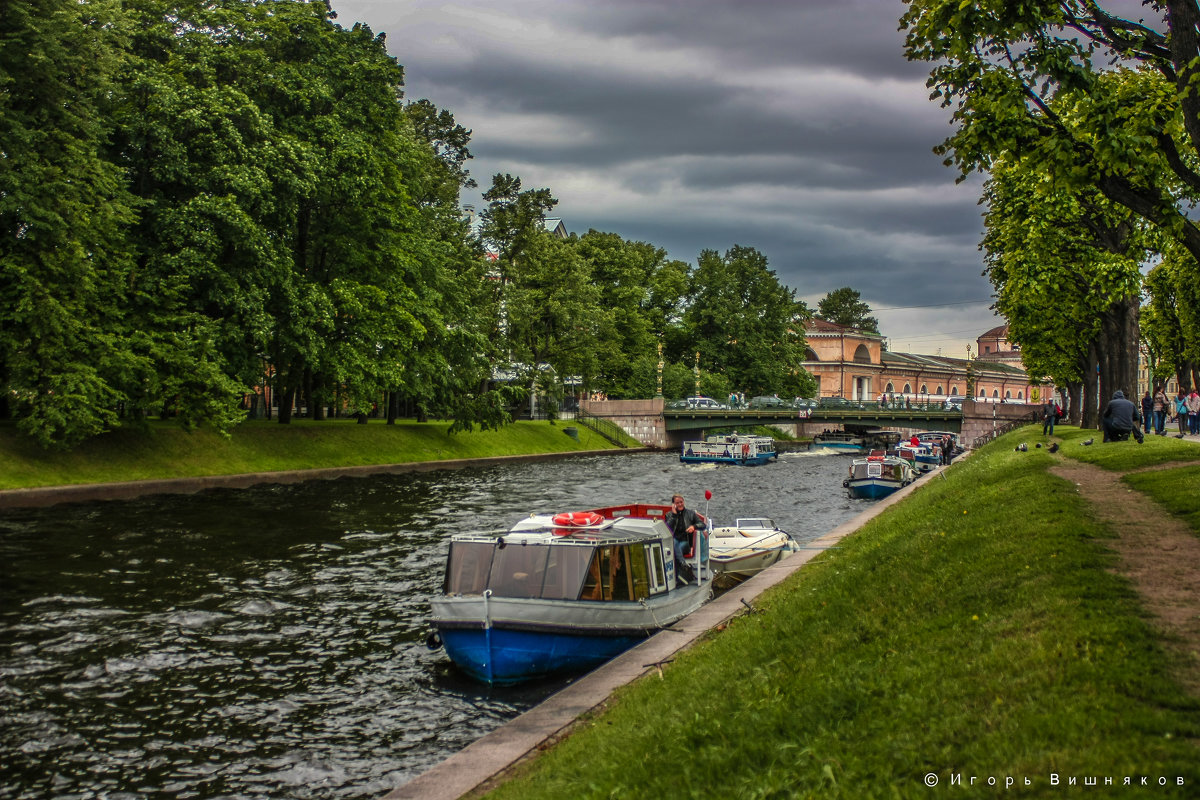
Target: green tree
[[746, 325], [845, 307], [1171, 318], [1056, 261], [639, 295], [64, 215], [1037, 81]]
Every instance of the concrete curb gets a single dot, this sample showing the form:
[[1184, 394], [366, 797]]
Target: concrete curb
[[83, 493], [481, 764]]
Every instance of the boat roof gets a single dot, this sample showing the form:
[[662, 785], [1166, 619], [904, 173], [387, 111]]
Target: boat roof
[[540, 529]]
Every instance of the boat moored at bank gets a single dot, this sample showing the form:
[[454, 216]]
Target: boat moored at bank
[[742, 550], [878, 475], [839, 441], [563, 592]]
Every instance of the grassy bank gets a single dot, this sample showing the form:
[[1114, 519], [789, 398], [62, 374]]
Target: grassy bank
[[163, 450], [977, 629]]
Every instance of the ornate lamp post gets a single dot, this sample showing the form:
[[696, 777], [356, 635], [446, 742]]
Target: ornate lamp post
[[697, 372], [660, 369]]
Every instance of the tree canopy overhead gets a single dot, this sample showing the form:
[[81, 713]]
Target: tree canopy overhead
[[1097, 108], [203, 203]]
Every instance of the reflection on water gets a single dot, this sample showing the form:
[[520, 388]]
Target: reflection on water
[[269, 642]]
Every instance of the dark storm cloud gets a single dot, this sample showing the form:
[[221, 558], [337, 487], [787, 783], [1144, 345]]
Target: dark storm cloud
[[797, 128]]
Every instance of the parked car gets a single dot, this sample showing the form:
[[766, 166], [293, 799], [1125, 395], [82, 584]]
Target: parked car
[[838, 402], [767, 401], [703, 403], [954, 402]]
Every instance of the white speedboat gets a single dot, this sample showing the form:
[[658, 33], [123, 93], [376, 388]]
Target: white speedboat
[[739, 551]]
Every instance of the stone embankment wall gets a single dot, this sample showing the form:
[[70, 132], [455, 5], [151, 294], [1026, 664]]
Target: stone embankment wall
[[641, 419], [980, 419]]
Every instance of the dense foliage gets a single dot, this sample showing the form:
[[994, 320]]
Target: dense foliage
[[205, 202], [1097, 110]]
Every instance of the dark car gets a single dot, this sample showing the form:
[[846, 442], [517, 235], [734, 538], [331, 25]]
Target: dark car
[[767, 401], [838, 402]]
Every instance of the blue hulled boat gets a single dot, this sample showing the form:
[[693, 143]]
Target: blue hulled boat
[[841, 441], [563, 592], [877, 476], [733, 448]]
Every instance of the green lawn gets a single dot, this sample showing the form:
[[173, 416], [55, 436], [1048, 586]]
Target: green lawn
[[164, 450], [976, 630]]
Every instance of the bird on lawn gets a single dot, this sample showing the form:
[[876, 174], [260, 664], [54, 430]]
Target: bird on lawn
[[1054, 447], [1087, 442]]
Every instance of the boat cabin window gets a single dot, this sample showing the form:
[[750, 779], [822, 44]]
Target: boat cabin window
[[618, 573], [658, 570], [467, 568], [518, 570]]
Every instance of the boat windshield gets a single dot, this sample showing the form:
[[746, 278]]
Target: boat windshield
[[610, 572]]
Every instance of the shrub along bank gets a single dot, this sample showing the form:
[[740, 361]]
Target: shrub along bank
[[164, 450], [976, 630]]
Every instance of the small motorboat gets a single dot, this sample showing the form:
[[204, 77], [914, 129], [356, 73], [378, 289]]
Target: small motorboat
[[878, 475], [742, 550], [563, 592]]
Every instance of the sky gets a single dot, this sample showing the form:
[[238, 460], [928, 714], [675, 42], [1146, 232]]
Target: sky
[[795, 127]]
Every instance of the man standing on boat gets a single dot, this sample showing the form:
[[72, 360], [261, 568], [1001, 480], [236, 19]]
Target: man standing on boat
[[684, 523]]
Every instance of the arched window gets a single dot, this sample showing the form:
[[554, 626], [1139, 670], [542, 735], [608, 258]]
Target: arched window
[[862, 354], [1007, 395], [924, 389], [954, 391], [810, 355], [908, 388], [939, 391], [890, 388], [983, 393], [1020, 395], [996, 394]]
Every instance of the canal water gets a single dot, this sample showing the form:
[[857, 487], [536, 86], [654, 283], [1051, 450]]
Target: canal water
[[269, 642]]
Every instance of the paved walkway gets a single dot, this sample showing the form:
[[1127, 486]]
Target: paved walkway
[[482, 764]]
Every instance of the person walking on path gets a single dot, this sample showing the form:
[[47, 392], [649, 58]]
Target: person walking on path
[[1049, 416], [1181, 412], [1148, 410], [1193, 404], [1160, 411]]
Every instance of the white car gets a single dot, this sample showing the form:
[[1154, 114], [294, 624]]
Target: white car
[[704, 403]]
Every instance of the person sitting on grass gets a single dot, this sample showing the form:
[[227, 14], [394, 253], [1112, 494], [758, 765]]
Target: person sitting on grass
[[1120, 419]]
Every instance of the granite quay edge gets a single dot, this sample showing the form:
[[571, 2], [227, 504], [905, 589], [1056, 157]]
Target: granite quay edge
[[42, 496]]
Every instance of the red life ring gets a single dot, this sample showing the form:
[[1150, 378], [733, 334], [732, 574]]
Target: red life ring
[[577, 519]]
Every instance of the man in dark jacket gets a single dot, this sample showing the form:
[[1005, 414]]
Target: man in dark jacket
[[1120, 419], [683, 523], [1049, 415]]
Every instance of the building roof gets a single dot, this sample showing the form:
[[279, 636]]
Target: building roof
[[999, 332], [820, 326]]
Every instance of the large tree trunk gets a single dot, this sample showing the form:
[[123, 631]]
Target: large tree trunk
[[1089, 418], [1118, 349], [1075, 402], [393, 407]]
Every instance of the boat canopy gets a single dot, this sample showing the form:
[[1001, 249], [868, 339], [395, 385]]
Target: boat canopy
[[621, 558]]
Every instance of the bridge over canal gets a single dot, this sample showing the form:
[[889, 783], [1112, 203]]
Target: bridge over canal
[[654, 425]]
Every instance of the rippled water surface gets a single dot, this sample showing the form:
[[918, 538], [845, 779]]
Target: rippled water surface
[[269, 642]]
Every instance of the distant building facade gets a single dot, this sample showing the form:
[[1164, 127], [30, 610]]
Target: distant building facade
[[856, 365]]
